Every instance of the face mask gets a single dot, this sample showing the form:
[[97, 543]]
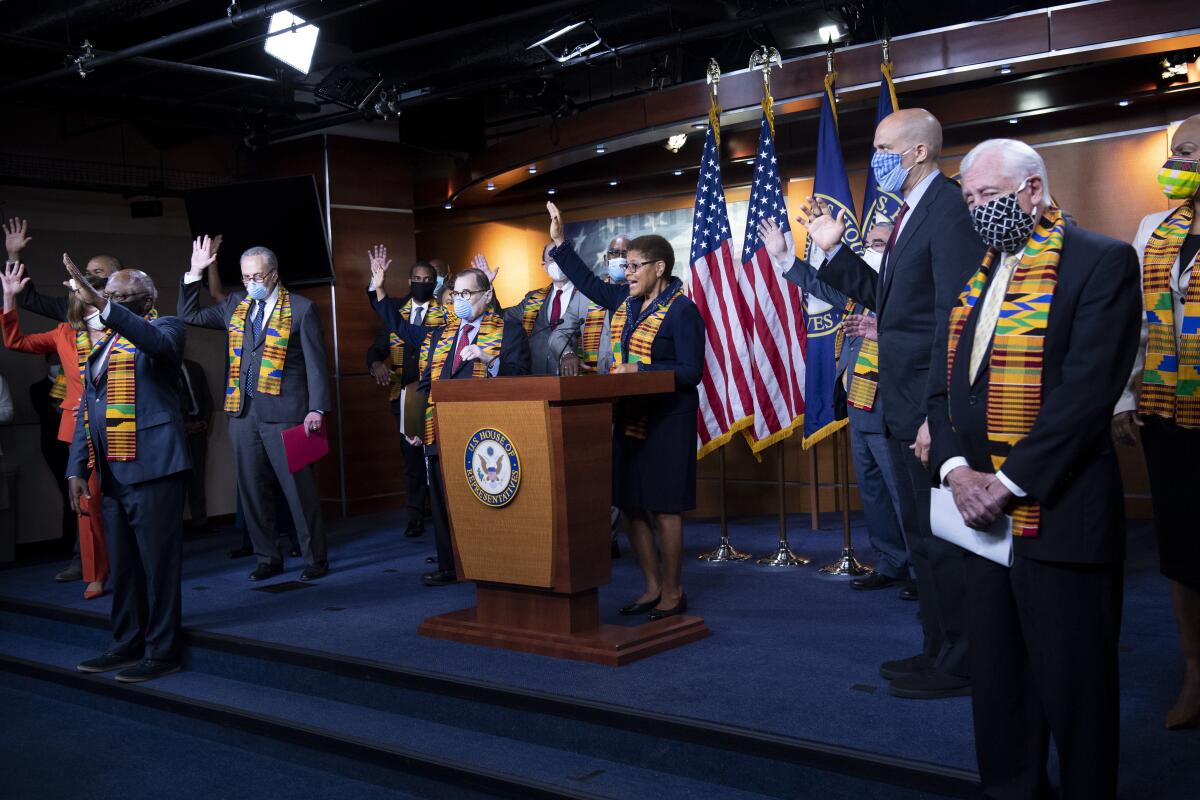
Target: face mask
[[421, 292], [872, 258], [888, 173], [464, 310], [437, 286], [1001, 224], [555, 272], [616, 269], [258, 291], [1180, 178]]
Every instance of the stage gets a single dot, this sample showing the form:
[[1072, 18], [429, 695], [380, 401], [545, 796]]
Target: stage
[[782, 700]]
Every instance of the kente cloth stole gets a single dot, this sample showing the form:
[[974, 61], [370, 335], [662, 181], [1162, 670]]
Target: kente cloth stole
[[278, 330], [1171, 378], [433, 318], [593, 332], [1015, 363], [488, 338], [632, 340], [120, 414], [58, 389], [531, 306], [864, 378]]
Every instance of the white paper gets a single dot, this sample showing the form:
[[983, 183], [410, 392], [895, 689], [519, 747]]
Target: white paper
[[994, 544]]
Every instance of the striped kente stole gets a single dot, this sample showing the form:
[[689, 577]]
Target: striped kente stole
[[120, 413], [531, 306], [489, 337], [58, 389], [278, 331], [864, 377], [432, 319], [1171, 378], [632, 341], [593, 333], [1015, 364]]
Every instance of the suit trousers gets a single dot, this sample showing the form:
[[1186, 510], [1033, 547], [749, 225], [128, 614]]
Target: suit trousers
[[937, 565], [881, 507], [261, 460], [143, 525], [196, 494], [1044, 639], [416, 485], [441, 516]]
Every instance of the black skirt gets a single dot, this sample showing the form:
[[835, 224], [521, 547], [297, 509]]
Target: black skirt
[[1173, 462], [658, 473]]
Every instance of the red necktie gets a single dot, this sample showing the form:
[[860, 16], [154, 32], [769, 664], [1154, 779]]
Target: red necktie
[[464, 339], [887, 251], [556, 307]]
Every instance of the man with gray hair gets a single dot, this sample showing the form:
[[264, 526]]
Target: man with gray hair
[[1038, 349], [276, 379]]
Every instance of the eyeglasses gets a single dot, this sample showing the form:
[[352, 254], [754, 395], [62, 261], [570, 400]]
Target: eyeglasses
[[122, 297], [260, 278], [634, 266], [465, 294], [616, 253]]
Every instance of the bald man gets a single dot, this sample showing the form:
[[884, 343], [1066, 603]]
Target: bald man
[[932, 251], [16, 238]]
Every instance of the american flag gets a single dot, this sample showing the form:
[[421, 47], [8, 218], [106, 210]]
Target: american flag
[[779, 340], [723, 296]]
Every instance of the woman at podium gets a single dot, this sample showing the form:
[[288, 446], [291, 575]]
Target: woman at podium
[[654, 327]]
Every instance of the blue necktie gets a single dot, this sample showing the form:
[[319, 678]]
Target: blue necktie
[[256, 323]]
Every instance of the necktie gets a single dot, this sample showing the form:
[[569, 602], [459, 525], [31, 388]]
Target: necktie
[[989, 314], [418, 315], [464, 339], [556, 307], [256, 323], [891, 242]]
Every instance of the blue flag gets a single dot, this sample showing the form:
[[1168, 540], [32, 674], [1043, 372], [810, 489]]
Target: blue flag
[[821, 417], [878, 204]]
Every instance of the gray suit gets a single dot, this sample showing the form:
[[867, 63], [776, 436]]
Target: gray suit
[[870, 451], [143, 498], [571, 330], [256, 428], [546, 344]]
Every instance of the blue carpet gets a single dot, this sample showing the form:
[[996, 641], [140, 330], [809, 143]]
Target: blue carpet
[[791, 653]]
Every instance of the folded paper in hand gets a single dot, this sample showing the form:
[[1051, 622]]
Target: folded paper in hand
[[994, 544], [302, 449]]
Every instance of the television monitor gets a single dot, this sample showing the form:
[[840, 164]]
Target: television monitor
[[284, 214]]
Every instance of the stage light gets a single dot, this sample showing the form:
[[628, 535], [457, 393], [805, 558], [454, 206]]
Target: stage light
[[294, 48], [533, 169], [678, 172], [675, 143], [1122, 103], [491, 187], [699, 125], [1013, 121], [599, 148], [830, 33], [1005, 70], [552, 191], [447, 205], [613, 183], [569, 41]]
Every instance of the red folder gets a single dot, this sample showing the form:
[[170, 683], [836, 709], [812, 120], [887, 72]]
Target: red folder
[[303, 450]]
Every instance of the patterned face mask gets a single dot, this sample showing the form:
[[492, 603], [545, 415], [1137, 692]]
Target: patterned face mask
[[1180, 178], [1001, 223]]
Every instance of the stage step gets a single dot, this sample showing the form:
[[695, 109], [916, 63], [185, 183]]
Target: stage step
[[491, 739]]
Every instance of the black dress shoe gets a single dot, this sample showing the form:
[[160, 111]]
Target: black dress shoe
[[637, 609], [241, 552], [314, 571], [264, 571], [414, 529], [876, 580], [106, 663], [909, 592], [930, 684], [891, 670], [295, 552], [442, 577], [663, 613], [147, 670]]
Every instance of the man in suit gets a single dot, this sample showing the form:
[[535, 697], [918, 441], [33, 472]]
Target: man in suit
[[928, 257], [394, 364], [269, 328], [542, 312], [1009, 437], [196, 404], [484, 345], [143, 463], [858, 390]]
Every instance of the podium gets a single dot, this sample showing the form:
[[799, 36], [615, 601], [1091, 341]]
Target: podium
[[527, 466]]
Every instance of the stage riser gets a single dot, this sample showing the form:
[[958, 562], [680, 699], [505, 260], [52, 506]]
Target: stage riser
[[724, 758]]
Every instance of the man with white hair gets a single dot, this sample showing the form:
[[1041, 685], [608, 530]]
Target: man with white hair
[[1039, 346]]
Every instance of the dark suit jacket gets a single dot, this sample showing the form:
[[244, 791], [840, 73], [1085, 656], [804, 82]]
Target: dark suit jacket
[[305, 384], [936, 253], [381, 347], [161, 442], [199, 391], [54, 307], [1067, 461]]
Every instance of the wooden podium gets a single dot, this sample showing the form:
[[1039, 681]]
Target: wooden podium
[[527, 465]]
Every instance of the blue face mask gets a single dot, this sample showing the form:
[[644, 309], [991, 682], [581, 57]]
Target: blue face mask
[[616, 269], [437, 286], [464, 310], [257, 291], [889, 175]]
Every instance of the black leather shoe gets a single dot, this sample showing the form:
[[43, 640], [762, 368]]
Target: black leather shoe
[[106, 663], [241, 552], [876, 580], [637, 609], [442, 577], [891, 670], [415, 528], [314, 571], [930, 684], [909, 592], [264, 571], [663, 613], [295, 552], [147, 670]]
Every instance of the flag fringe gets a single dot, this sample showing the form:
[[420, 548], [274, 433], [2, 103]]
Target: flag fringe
[[824, 433], [758, 445], [724, 438]]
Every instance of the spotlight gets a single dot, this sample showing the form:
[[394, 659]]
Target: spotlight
[[599, 148], [675, 143], [678, 172], [447, 205], [1122, 103], [552, 191], [831, 33], [295, 47], [1013, 121], [699, 125], [533, 169], [491, 187], [613, 183], [1005, 70], [569, 41]]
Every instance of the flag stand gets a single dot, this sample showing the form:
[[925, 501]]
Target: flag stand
[[725, 552], [847, 565], [783, 555]]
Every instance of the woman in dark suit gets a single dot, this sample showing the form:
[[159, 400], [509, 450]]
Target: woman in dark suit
[[654, 327]]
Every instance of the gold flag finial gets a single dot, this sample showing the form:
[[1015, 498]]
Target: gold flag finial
[[764, 59], [714, 107]]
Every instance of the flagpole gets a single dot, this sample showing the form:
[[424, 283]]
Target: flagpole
[[847, 565], [814, 491], [724, 552]]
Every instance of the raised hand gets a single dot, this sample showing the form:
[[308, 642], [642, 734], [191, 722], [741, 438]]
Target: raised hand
[[84, 290], [204, 254], [14, 278], [377, 256], [15, 237], [556, 224], [773, 239], [825, 229], [480, 263]]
